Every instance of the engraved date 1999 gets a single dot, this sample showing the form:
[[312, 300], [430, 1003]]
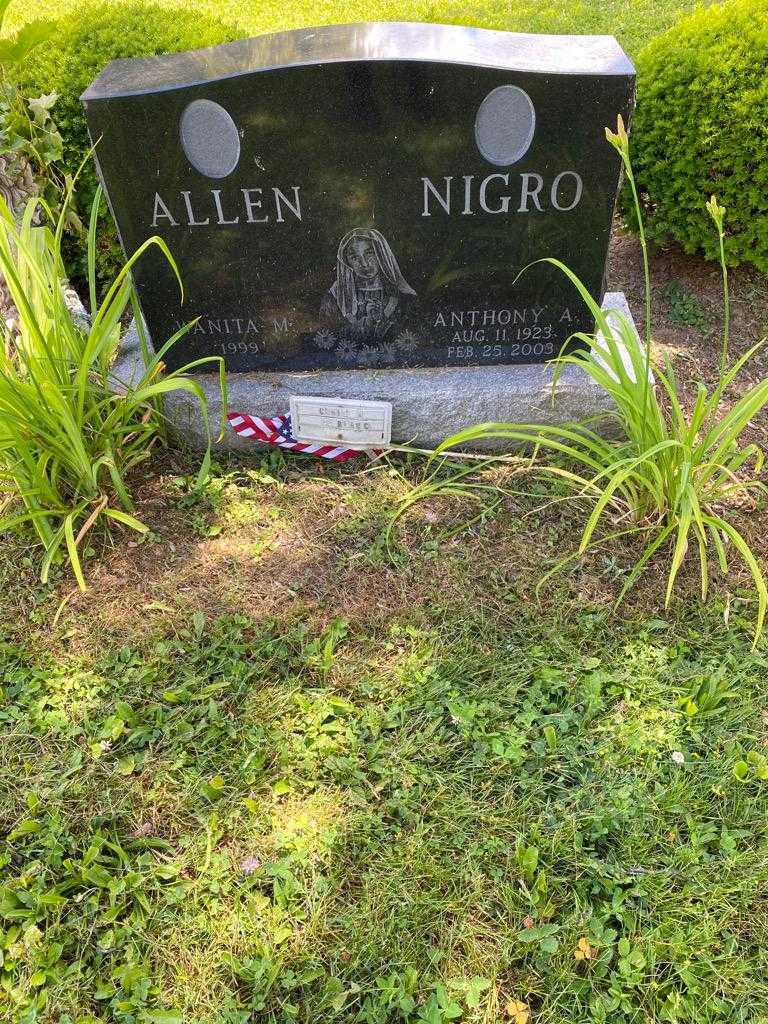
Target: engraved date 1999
[[243, 348]]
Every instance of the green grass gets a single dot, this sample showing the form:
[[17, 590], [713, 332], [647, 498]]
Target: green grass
[[633, 23], [262, 773]]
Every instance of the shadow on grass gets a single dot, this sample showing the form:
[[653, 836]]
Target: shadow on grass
[[261, 772]]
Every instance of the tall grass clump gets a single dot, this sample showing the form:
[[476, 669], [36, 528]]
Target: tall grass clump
[[70, 435], [676, 475]]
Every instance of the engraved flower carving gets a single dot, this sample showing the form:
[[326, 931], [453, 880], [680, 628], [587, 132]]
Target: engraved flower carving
[[324, 339], [347, 349], [407, 341], [388, 352]]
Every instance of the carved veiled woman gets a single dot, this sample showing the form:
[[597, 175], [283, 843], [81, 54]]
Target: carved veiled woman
[[369, 291]]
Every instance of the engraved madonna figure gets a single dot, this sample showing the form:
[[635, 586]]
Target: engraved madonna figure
[[369, 292]]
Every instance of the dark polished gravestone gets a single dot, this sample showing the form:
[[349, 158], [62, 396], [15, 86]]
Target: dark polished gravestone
[[366, 196]]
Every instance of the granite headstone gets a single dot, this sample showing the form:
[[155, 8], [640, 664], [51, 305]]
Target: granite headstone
[[366, 196]]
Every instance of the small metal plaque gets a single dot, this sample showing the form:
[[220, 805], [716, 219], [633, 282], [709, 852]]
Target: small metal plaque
[[349, 421]]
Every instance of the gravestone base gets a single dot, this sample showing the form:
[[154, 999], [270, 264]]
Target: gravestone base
[[428, 403]]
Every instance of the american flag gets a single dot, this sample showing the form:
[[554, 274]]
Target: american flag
[[277, 430]]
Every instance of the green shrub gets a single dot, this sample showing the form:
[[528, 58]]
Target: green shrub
[[701, 127], [83, 44], [30, 145]]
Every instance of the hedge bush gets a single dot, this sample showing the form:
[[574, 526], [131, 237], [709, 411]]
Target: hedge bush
[[85, 42], [701, 128]]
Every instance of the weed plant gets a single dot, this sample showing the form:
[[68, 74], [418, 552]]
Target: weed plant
[[70, 435]]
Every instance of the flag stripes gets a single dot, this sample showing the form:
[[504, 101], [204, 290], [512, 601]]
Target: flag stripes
[[276, 430]]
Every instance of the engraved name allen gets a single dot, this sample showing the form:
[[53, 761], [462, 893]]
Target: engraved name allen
[[253, 205]]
